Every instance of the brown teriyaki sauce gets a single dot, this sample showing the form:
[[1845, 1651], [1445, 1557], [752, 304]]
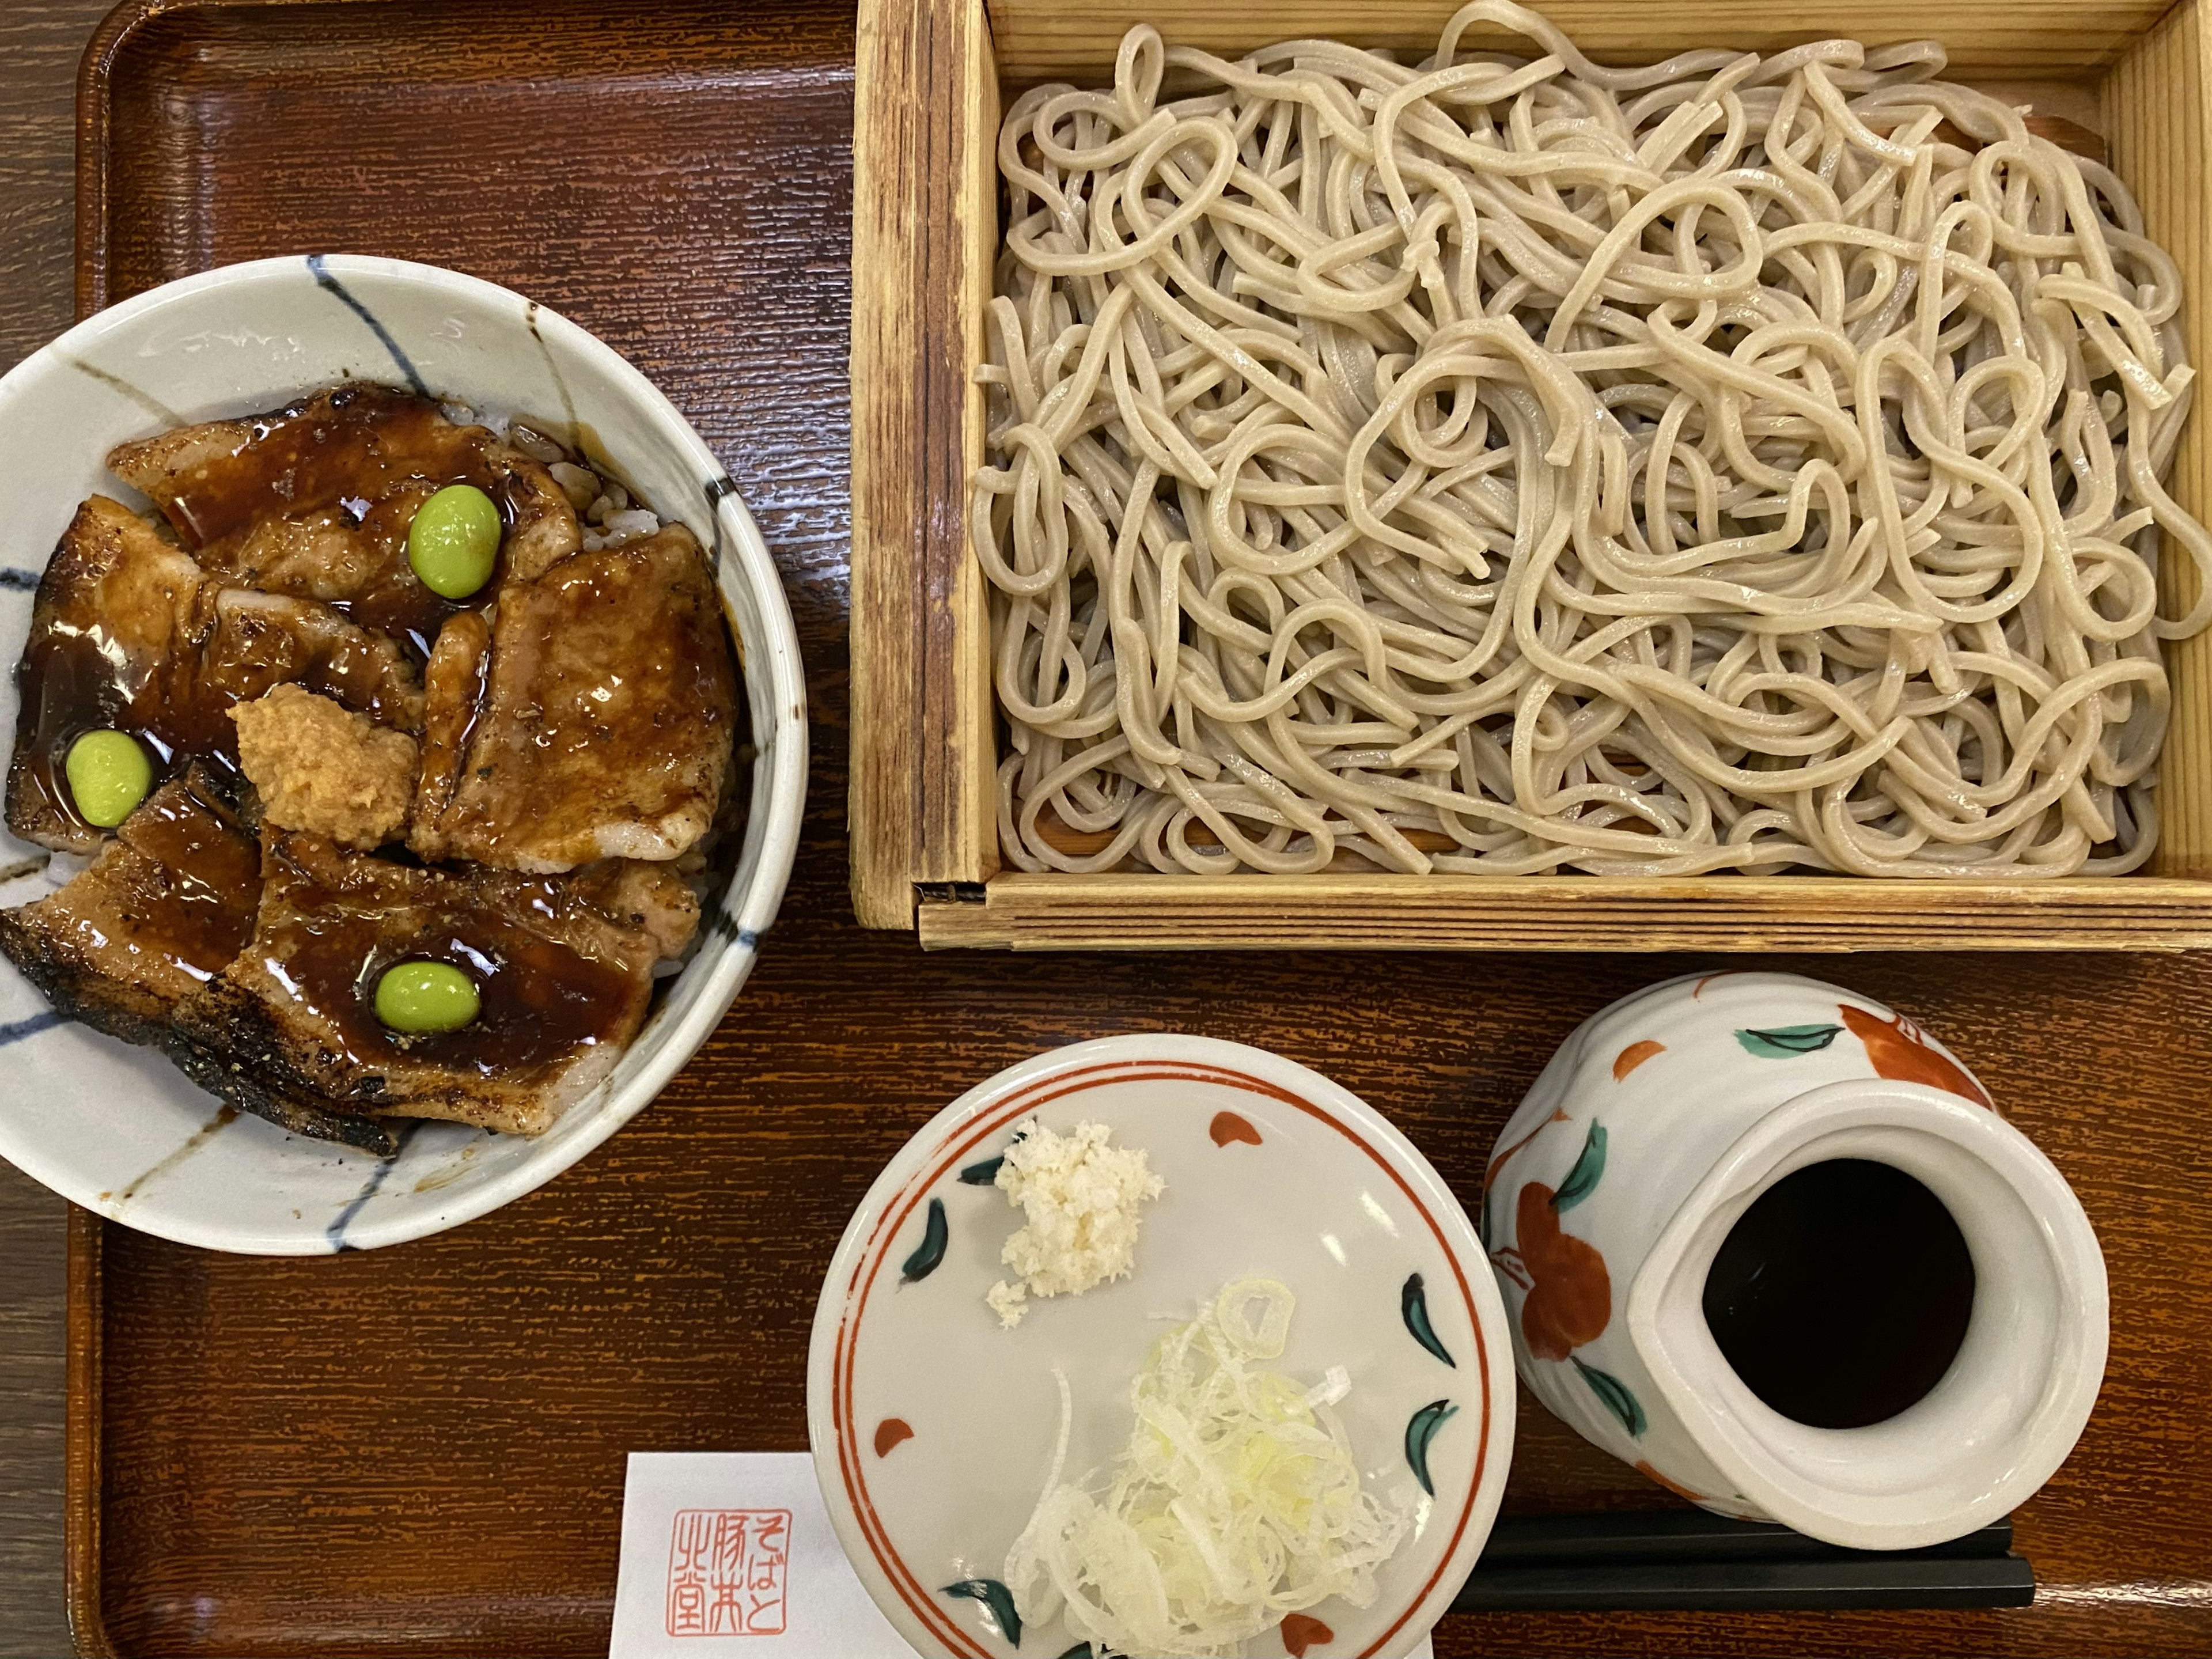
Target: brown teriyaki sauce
[[364, 457], [369, 453], [197, 910], [540, 1000], [71, 681]]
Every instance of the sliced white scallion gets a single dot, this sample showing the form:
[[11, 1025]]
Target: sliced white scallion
[[1260, 1338], [1238, 1499]]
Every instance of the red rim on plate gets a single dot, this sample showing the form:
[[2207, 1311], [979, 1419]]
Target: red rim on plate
[[962, 1141]]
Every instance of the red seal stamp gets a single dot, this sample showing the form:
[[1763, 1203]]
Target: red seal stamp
[[726, 1570]]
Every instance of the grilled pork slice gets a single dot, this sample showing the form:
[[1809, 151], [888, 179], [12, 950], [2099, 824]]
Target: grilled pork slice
[[453, 685], [592, 718], [651, 898], [162, 910], [258, 641], [563, 987], [166, 907], [313, 500], [116, 606], [127, 632]]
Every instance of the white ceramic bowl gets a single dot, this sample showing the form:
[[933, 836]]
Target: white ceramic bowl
[[116, 1129], [932, 1429]]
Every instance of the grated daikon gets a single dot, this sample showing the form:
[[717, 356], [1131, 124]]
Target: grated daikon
[[1082, 1199]]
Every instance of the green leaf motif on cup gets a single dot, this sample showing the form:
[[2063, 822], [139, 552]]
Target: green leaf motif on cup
[[1589, 1166], [1788, 1042], [1613, 1394]]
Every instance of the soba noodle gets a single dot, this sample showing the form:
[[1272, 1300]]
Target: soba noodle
[[1507, 463]]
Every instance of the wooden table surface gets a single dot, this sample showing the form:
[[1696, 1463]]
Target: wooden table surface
[[39, 43], [844, 1044]]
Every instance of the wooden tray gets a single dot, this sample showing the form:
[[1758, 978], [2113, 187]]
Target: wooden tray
[[420, 1450], [932, 76]]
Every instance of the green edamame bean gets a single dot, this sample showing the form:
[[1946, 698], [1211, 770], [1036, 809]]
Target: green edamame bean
[[453, 541], [108, 774], [420, 997]]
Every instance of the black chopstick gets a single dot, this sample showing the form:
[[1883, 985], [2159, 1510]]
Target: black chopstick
[[1687, 1559]]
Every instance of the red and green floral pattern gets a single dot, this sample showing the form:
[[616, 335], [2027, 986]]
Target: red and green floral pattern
[[1568, 1295], [1895, 1047], [1900, 1050]]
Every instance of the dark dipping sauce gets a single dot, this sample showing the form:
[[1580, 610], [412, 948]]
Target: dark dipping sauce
[[540, 1000], [1843, 1294]]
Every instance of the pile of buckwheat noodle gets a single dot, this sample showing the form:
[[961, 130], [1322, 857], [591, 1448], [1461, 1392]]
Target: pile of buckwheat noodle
[[1505, 463]]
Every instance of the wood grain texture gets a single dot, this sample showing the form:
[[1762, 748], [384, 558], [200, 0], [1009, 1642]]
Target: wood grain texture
[[423, 1447], [420, 1450], [1048, 40], [1150, 911], [32, 1220], [2155, 115], [920, 801], [928, 702], [85, 1492], [39, 44]]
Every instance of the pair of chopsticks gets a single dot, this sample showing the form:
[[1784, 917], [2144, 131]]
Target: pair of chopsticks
[[1687, 1560]]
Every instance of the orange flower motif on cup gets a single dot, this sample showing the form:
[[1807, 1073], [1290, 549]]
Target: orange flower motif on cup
[[1498, 1162], [1634, 1055], [1900, 1051], [1569, 1298], [1570, 1294]]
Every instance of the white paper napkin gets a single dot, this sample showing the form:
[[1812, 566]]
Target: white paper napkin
[[731, 1555], [727, 1555]]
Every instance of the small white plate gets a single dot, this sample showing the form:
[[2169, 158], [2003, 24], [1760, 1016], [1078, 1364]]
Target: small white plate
[[932, 1429]]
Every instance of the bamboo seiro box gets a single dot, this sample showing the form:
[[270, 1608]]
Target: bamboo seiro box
[[933, 75]]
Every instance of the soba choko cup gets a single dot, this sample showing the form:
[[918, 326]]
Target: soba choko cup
[[116, 1129], [1771, 1242]]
